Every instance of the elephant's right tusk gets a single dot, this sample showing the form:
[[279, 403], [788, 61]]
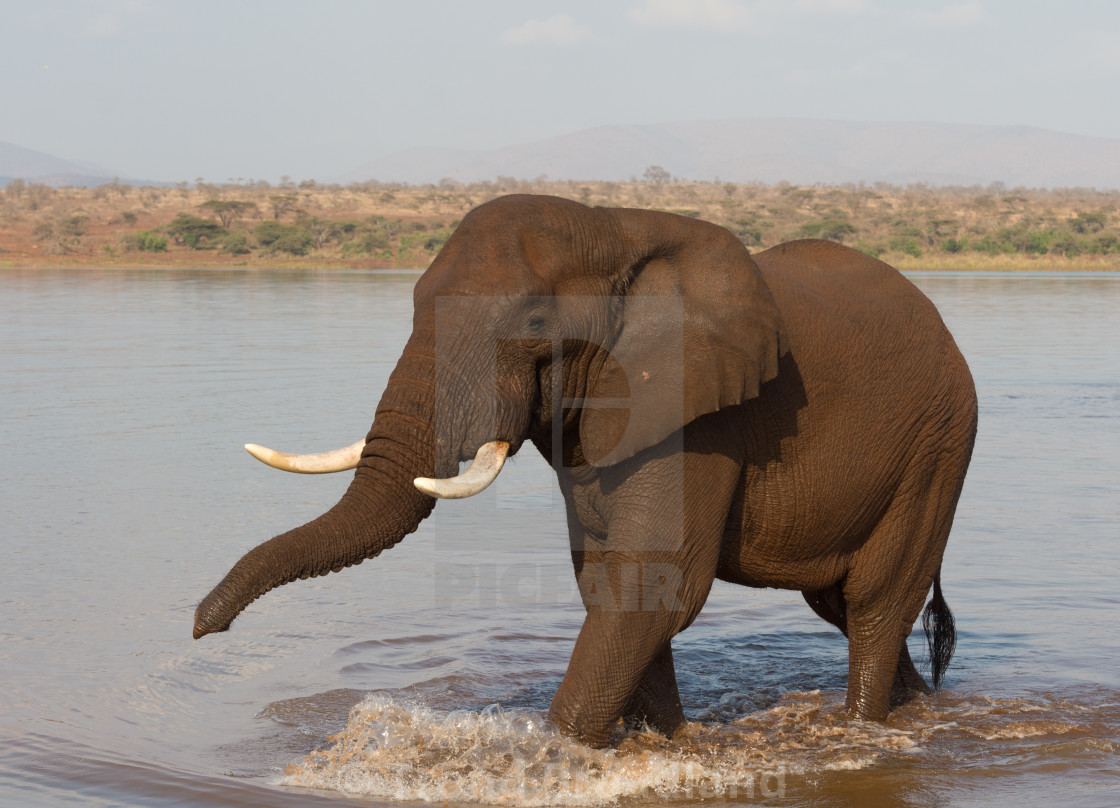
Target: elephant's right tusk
[[483, 470], [322, 463]]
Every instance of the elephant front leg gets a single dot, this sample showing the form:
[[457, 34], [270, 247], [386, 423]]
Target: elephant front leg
[[622, 664], [644, 572], [656, 701]]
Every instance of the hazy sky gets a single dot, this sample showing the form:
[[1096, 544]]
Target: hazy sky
[[264, 88]]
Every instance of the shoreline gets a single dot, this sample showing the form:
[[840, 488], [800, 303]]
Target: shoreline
[[905, 263], [377, 225]]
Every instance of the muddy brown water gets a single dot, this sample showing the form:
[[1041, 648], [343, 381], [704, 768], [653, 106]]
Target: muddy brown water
[[423, 675]]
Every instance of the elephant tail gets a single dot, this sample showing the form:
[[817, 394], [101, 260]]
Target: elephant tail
[[941, 632]]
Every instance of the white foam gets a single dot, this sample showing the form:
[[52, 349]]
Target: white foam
[[396, 750]]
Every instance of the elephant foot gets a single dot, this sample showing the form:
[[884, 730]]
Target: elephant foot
[[908, 683], [656, 702], [902, 694], [665, 722], [597, 737]]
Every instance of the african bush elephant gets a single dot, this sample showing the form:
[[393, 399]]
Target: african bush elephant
[[798, 419]]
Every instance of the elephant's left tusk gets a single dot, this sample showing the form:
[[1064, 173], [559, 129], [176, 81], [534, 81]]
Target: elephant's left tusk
[[483, 471], [322, 463]]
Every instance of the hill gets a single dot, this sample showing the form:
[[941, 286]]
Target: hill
[[16, 162], [776, 150]]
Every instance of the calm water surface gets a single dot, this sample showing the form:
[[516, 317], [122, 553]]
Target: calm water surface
[[125, 397]]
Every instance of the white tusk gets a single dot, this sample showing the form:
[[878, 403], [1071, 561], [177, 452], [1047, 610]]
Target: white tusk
[[483, 471], [322, 463]]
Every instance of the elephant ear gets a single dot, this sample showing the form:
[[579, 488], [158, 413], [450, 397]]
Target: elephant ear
[[698, 331]]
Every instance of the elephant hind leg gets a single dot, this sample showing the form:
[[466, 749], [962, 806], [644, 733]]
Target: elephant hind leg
[[887, 583], [908, 683], [830, 606]]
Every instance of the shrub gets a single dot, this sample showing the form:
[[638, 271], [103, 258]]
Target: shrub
[[193, 230], [235, 244], [867, 248], [831, 229], [1088, 222], [990, 245], [285, 238], [74, 226], [748, 231], [432, 242], [1105, 243], [907, 245], [147, 241], [1034, 242]]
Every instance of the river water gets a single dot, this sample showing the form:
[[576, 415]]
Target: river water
[[125, 397]]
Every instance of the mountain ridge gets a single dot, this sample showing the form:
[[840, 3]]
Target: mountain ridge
[[770, 150], [19, 162]]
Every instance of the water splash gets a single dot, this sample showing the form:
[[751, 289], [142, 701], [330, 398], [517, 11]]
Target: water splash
[[397, 750], [393, 748]]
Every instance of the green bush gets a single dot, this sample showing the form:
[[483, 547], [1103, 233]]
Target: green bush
[[868, 248], [74, 226], [1088, 222], [748, 231], [193, 230], [1034, 242], [236, 244], [831, 229], [285, 238], [147, 241], [432, 242], [907, 245], [990, 245], [367, 243], [1105, 243]]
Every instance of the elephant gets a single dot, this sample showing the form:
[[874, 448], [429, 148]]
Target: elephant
[[799, 418]]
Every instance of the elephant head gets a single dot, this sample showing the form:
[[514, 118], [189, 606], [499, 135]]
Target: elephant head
[[596, 333]]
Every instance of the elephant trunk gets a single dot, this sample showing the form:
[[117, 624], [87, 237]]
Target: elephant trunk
[[380, 507]]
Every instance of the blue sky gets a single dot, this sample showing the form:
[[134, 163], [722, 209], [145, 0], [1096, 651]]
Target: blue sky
[[265, 88]]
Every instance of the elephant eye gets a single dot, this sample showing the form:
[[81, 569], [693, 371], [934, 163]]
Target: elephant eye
[[535, 324]]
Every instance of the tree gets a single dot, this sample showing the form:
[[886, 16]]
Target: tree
[[321, 230], [75, 226], [228, 210], [831, 229], [14, 189], [1088, 222], [657, 175], [281, 204], [193, 230], [283, 238]]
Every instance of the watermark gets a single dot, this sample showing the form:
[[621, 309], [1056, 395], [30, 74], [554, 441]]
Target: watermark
[[624, 587], [739, 787]]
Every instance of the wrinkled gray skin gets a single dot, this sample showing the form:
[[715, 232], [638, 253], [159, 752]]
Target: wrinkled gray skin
[[797, 419]]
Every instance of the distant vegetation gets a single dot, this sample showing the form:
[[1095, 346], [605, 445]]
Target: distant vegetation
[[393, 225]]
